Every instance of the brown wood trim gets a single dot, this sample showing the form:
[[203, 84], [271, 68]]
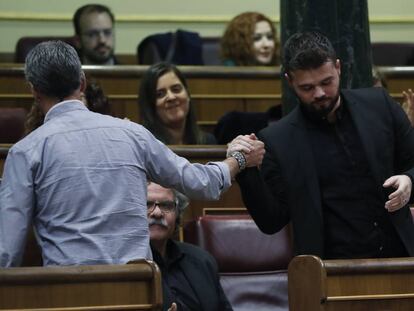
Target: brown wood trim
[[140, 270], [135, 96], [137, 71], [368, 266], [368, 297], [200, 151], [397, 72], [96, 308]]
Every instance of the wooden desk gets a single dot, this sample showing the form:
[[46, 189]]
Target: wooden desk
[[134, 286], [214, 90], [357, 285]]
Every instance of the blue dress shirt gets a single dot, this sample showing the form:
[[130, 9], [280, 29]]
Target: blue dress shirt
[[81, 180]]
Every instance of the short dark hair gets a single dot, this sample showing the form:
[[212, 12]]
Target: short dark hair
[[87, 9], [54, 69], [307, 50], [147, 104]]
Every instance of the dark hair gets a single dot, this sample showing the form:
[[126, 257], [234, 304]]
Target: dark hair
[[147, 102], [96, 99], [87, 9], [54, 69], [307, 50], [96, 102], [237, 41]]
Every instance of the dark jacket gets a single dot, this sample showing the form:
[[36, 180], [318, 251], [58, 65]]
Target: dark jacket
[[201, 271], [287, 189]]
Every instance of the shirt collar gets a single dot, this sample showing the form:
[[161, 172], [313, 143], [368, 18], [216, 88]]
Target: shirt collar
[[65, 106]]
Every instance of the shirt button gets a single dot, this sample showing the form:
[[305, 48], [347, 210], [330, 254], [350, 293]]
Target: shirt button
[[375, 224], [381, 248]]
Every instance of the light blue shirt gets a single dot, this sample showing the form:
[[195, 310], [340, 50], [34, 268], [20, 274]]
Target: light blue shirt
[[82, 179]]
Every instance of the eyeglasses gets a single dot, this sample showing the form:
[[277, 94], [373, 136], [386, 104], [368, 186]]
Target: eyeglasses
[[165, 206], [96, 33]]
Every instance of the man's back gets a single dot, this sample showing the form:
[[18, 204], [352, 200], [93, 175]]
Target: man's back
[[89, 181]]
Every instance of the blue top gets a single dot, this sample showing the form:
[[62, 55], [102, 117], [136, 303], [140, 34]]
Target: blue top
[[82, 178]]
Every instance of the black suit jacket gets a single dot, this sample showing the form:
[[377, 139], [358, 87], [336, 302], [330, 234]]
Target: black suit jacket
[[201, 271], [287, 190]]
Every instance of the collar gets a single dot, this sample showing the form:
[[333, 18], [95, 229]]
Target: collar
[[63, 107], [173, 254], [312, 121]]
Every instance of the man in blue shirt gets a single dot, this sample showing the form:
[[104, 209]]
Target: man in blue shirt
[[81, 178]]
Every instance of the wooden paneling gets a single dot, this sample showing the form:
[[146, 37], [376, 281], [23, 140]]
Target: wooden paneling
[[214, 90], [357, 285], [136, 286]]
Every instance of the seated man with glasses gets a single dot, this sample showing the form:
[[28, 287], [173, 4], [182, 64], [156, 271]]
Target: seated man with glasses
[[189, 274], [94, 30]]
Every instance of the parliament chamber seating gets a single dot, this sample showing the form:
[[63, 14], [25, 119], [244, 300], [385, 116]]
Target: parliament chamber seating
[[25, 44], [392, 53], [356, 284], [135, 286], [11, 124], [180, 47], [252, 265]]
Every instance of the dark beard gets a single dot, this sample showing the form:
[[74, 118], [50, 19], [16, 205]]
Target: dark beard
[[318, 114]]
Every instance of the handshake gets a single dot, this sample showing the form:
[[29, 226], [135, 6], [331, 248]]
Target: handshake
[[247, 150]]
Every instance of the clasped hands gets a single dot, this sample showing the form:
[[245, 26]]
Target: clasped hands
[[250, 146]]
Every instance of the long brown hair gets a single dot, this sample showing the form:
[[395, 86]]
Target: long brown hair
[[147, 101]]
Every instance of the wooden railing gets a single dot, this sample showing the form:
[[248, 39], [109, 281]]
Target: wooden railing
[[357, 285], [136, 286]]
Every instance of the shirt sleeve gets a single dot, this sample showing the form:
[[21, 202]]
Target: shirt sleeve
[[197, 181], [16, 207]]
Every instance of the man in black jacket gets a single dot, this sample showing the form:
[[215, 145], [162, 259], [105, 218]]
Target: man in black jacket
[[189, 274], [339, 167]]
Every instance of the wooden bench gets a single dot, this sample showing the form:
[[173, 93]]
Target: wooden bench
[[214, 90], [357, 285], [136, 286]]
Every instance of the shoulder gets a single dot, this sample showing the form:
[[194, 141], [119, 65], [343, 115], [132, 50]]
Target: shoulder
[[196, 252], [279, 127], [365, 94]]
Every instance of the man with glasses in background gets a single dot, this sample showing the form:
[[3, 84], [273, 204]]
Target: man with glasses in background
[[95, 35], [189, 274]]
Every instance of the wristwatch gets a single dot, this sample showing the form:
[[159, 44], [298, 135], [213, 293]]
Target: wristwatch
[[240, 158]]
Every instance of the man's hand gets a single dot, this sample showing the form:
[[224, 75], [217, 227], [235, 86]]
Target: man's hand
[[173, 307], [401, 196], [252, 148], [241, 143]]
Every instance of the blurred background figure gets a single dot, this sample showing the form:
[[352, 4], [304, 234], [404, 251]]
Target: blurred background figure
[[378, 79], [408, 95], [250, 39], [95, 35], [93, 97], [166, 109]]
